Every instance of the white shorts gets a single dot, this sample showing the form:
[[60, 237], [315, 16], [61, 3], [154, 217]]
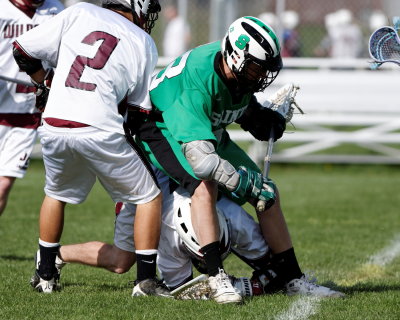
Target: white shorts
[[73, 158], [16, 146]]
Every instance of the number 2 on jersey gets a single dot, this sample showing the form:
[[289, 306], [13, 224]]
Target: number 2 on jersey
[[97, 62]]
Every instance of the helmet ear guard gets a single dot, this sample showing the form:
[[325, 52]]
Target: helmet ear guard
[[249, 41], [145, 13], [184, 227]]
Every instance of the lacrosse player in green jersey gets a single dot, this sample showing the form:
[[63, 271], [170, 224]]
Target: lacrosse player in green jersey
[[194, 98]]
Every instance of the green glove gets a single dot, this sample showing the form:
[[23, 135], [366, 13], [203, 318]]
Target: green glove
[[252, 185]]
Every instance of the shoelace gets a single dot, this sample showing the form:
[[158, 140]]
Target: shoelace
[[223, 279], [309, 277]]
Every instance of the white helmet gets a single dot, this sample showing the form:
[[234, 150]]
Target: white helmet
[[250, 42], [145, 12], [184, 227]]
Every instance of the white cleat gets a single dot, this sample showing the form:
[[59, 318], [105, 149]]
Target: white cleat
[[45, 286], [222, 290], [151, 287], [305, 286]]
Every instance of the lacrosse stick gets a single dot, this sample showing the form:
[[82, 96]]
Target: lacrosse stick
[[283, 102], [17, 81], [199, 288], [196, 289], [384, 45]]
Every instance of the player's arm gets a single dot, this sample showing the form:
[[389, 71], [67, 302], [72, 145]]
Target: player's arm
[[29, 51], [40, 77], [244, 183], [33, 67], [188, 120], [259, 120]]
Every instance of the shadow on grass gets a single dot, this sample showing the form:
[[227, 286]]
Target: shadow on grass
[[100, 287], [16, 258], [362, 287]]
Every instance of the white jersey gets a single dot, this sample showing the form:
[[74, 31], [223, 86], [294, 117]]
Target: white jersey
[[14, 22], [89, 46]]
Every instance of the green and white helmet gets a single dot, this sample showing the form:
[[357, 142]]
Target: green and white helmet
[[249, 42]]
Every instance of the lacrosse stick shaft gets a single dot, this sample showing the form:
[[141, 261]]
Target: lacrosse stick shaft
[[267, 164], [17, 81]]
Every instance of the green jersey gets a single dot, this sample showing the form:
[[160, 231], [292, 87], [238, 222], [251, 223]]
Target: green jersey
[[194, 100], [196, 104]]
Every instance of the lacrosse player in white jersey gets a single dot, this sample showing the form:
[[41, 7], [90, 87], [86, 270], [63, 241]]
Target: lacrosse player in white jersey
[[19, 118], [179, 249], [104, 59]]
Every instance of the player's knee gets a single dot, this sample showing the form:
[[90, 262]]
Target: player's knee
[[122, 266], [122, 261], [120, 269], [6, 184]]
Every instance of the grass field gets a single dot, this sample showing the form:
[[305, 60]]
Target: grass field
[[345, 224]]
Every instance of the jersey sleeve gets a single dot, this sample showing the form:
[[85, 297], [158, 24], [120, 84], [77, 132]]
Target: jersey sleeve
[[189, 118], [140, 95], [43, 41]]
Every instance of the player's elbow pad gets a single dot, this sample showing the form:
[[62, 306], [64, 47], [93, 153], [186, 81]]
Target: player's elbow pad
[[207, 165], [27, 64]]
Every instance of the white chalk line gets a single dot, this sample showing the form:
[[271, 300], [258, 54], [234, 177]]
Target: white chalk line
[[301, 309], [387, 254]]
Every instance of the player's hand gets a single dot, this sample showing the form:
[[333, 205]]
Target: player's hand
[[42, 90], [268, 119], [252, 185], [259, 121], [42, 94]]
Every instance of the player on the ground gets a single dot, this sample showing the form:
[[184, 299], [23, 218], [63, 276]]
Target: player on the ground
[[178, 248], [104, 61], [19, 118], [194, 99]]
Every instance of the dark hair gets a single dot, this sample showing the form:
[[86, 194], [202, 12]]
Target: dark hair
[[116, 6]]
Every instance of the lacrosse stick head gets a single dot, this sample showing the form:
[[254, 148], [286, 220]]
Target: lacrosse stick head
[[283, 101], [196, 289], [184, 227], [384, 46]]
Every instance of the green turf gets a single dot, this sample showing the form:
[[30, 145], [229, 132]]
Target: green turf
[[338, 217]]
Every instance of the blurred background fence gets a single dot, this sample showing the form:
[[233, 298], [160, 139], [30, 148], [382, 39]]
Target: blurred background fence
[[352, 112], [309, 27]]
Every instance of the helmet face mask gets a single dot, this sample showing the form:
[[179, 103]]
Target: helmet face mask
[[145, 13], [184, 227], [252, 51], [254, 76]]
